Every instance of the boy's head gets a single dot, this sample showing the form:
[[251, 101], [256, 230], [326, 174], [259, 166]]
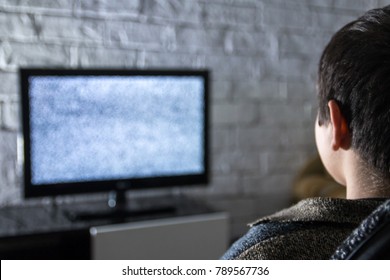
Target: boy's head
[[354, 78]]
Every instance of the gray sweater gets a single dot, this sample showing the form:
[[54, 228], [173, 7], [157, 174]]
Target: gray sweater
[[311, 229]]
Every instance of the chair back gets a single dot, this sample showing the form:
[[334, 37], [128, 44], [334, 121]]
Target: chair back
[[371, 240]]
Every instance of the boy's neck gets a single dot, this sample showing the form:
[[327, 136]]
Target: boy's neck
[[363, 183]]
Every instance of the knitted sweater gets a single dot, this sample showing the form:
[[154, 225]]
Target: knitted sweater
[[311, 229]]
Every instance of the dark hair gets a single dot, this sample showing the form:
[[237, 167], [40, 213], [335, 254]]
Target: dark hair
[[354, 70]]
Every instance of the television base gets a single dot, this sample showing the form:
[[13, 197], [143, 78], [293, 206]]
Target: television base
[[119, 208]]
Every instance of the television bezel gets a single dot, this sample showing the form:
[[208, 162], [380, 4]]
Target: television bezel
[[42, 190]]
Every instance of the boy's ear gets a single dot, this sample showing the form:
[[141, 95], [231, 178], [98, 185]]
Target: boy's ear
[[341, 137]]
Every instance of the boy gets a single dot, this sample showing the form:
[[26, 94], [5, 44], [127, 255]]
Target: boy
[[353, 140]]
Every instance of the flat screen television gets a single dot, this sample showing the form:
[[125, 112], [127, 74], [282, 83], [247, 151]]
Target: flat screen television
[[97, 130]]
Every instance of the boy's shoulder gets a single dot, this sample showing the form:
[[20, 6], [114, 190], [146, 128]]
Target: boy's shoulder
[[297, 232]]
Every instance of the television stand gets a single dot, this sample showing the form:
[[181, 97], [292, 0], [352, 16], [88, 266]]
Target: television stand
[[45, 232], [117, 214]]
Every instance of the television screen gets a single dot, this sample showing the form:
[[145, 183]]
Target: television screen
[[90, 130]]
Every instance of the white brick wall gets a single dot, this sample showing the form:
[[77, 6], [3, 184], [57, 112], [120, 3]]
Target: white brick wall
[[263, 56]]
